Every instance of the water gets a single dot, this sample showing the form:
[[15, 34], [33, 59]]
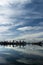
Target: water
[[28, 55]]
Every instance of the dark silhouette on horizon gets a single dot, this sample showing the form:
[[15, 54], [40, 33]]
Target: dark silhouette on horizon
[[19, 43], [13, 43]]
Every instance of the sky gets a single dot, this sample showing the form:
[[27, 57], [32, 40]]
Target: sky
[[21, 20]]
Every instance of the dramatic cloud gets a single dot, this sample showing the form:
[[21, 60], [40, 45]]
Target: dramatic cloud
[[19, 17]]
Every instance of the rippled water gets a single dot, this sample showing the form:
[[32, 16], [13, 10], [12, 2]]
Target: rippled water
[[28, 55]]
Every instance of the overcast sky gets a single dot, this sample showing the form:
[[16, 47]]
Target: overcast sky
[[21, 19]]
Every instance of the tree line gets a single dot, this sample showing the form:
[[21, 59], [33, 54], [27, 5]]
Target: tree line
[[13, 43], [19, 43]]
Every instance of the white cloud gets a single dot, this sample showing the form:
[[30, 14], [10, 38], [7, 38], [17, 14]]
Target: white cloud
[[30, 37], [30, 28], [4, 21], [4, 28], [24, 28], [21, 1], [4, 2]]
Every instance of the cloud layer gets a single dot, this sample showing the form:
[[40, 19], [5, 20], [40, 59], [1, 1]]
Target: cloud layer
[[21, 19]]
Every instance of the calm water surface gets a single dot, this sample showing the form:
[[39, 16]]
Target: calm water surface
[[28, 55]]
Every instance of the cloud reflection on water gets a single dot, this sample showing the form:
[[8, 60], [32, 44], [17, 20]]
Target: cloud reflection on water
[[13, 55]]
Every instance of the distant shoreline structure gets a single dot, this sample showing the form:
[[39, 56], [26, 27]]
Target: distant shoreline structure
[[20, 43]]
